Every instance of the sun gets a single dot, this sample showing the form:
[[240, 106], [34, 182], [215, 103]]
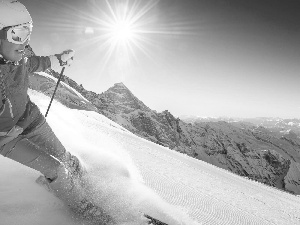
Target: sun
[[124, 27], [122, 31]]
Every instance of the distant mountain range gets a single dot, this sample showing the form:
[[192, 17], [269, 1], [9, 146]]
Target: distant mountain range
[[263, 149], [281, 126]]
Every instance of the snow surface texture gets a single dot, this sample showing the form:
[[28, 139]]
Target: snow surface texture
[[120, 162]]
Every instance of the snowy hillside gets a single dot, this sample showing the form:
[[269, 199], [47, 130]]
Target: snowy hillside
[[192, 189]]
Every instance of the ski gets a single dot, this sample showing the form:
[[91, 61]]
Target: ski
[[154, 221]]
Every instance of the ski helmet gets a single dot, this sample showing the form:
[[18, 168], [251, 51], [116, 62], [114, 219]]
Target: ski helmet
[[13, 13]]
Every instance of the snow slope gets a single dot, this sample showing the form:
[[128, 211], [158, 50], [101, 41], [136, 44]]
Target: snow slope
[[120, 162]]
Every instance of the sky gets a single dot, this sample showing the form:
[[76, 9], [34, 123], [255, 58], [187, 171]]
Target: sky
[[213, 58]]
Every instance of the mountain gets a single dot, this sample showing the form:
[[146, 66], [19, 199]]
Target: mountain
[[242, 147]]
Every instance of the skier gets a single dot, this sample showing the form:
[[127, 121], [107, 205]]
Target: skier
[[25, 136]]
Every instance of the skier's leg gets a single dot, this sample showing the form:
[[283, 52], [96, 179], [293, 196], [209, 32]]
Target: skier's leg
[[22, 150], [64, 184], [27, 153], [70, 183], [43, 136]]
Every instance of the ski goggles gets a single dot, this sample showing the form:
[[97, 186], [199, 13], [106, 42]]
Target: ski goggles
[[16, 34]]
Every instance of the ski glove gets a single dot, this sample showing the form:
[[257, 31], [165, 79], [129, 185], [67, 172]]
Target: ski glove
[[61, 60]]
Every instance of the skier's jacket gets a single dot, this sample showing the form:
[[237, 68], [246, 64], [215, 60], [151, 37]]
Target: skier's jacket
[[16, 109]]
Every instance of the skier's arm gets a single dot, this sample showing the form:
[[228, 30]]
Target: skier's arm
[[38, 63], [55, 62]]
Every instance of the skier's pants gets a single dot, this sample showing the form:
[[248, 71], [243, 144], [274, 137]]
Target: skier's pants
[[39, 149]]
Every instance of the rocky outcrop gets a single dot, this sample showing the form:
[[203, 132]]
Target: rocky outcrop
[[292, 179], [238, 150]]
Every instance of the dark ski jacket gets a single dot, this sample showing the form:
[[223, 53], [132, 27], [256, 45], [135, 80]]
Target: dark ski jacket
[[15, 105]]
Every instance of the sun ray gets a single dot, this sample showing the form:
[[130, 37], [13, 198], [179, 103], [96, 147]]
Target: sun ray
[[119, 31]]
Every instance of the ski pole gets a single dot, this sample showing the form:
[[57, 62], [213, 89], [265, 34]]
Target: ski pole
[[61, 73]]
